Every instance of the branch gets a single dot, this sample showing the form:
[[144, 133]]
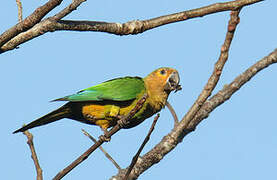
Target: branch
[[102, 149], [109, 134], [137, 26], [213, 80], [135, 158], [73, 6], [34, 155], [228, 90], [131, 27]]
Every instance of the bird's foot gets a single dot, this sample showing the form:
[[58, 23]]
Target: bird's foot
[[119, 117], [104, 137], [122, 122]]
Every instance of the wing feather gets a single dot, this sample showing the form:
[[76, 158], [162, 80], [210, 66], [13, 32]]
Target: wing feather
[[120, 89]]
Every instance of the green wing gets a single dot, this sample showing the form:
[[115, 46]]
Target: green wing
[[120, 89]]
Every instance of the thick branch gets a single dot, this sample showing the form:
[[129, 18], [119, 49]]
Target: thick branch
[[135, 27], [131, 27], [228, 90]]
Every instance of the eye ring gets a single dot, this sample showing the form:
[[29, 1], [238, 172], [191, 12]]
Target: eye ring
[[162, 72]]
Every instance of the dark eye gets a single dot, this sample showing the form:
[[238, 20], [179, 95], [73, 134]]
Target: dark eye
[[162, 72]]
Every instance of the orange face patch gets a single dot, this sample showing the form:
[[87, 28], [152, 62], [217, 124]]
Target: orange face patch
[[161, 75]]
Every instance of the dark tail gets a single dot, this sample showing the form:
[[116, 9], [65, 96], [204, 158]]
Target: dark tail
[[62, 112]]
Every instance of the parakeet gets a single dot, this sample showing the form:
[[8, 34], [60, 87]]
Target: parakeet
[[103, 104]]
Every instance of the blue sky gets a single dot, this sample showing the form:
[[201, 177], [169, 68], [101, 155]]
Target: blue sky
[[237, 141]]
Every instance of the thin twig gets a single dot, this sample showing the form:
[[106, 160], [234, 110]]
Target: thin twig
[[34, 155], [135, 158], [19, 9], [132, 27], [102, 149], [100, 141], [172, 111]]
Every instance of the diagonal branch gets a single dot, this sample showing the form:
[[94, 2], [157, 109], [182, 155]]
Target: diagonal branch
[[102, 149], [109, 134], [135, 158], [73, 6], [132, 27], [34, 155], [228, 90], [214, 78]]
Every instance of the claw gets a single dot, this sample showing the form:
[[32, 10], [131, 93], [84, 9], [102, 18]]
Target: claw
[[104, 138]]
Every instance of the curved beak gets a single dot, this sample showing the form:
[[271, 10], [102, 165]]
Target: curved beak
[[173, 82]]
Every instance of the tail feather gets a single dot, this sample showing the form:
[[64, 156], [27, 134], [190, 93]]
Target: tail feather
[[62, 112]]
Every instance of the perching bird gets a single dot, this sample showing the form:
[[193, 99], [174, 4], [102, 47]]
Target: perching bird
[[104, 103]]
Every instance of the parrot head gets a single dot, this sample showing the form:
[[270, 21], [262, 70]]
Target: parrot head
[[164, 79], [159, 84]]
